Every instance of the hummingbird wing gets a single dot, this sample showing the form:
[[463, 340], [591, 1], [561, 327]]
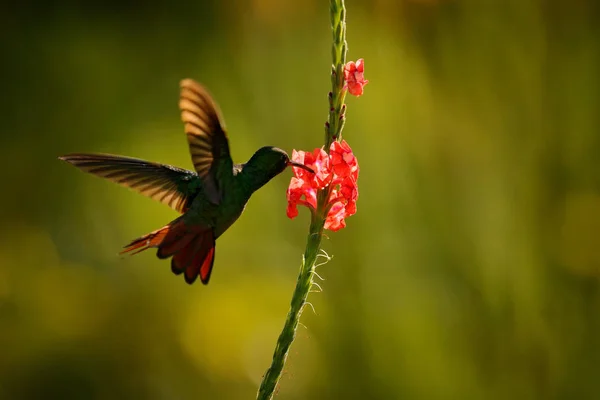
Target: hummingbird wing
[[170, 185], [206, 137]]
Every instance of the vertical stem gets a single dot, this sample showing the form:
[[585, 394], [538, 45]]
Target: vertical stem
[[339, 47], [333, 131], [288, 333]]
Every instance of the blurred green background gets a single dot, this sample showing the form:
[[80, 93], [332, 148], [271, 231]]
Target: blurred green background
[[469, 272]]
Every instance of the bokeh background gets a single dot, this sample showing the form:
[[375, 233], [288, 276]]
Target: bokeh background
[[469, 272]]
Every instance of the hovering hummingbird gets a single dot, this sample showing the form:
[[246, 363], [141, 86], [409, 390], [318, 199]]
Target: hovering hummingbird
[[210, 199]]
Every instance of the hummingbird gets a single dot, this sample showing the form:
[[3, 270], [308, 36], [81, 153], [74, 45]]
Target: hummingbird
[[210, 198]]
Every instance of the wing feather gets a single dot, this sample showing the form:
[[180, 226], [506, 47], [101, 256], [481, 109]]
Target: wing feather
[[163, 183], [206, 136]]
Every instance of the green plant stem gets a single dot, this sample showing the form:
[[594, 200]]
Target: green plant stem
[[333, 131], [339, 47], [301, 291]]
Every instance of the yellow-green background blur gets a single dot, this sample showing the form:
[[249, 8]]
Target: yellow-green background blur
[[469, 272]]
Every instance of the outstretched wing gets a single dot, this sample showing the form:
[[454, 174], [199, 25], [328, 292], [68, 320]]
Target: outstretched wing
[[169, 185], [206, 137]]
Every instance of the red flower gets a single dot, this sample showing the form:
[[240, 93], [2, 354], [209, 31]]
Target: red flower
[[305, 183], [338, 170], [335, 219], [354, 74], [343, 161], [318, 162], [294, 193], [349, 192]]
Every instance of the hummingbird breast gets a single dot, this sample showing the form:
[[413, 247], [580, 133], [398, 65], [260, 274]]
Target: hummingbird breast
[[219, 216]]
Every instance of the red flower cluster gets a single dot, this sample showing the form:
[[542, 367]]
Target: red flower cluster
[[339, 170], [354, 74]]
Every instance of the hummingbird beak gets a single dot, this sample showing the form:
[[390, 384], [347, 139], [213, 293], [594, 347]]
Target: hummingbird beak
[[296, 164]]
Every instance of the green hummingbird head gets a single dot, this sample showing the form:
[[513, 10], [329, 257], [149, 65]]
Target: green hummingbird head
[[267, 163]]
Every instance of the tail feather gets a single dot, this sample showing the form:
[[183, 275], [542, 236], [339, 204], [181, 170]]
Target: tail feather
[[192, 248], [202, 250], [196, 258], [153, 239], [171, 246], [186, 255], [207, 265]]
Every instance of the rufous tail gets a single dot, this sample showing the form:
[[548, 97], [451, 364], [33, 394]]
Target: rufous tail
[[192, 248], [153, 239]]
